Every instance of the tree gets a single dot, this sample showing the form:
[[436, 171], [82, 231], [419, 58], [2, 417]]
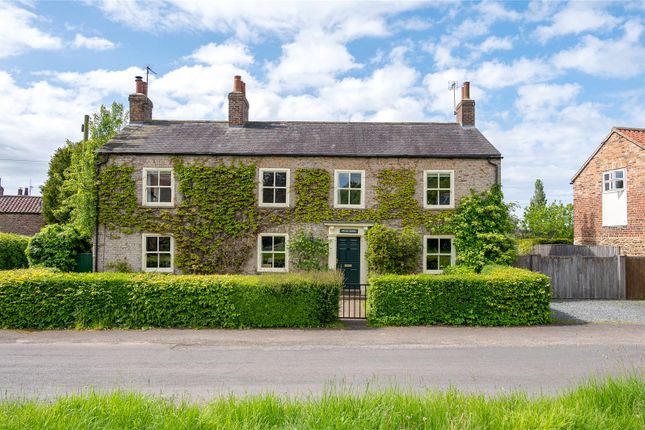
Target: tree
[[482, 226], [52, 190], [551, 221], [79, 184], [392, 251], [539, 198]]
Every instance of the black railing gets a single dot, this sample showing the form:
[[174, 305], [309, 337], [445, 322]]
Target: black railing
[[353, 301]]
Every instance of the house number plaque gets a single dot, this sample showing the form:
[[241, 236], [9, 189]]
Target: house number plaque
[[349, 230]]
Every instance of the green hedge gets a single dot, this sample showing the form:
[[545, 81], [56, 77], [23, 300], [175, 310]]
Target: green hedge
[[497, 297], [39, 298], [524, 246], [12, 251]]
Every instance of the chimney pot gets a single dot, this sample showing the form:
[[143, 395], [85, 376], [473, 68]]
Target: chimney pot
[[237, 83], [138, 85], [26, 191], [20, 191], [465, 91]]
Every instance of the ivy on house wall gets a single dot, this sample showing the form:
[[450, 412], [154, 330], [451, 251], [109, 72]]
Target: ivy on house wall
[[216, 223]]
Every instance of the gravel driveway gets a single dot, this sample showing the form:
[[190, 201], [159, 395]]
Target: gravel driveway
[[584, 311]]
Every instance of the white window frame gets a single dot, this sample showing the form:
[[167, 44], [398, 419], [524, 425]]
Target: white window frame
[[261, 188], [144, 187], [144, 253], [453, 254], [286, 253], [337, 204], [425, 189], [612, 181]]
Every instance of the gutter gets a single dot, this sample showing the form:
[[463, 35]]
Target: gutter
[[496, 169]]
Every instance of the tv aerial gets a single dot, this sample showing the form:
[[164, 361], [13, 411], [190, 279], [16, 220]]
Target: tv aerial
[[452, 85], [148, 71]]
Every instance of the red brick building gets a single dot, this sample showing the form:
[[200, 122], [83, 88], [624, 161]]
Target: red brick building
[[21, 214], [609, 193]]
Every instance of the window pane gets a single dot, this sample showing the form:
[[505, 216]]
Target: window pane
[[164, 244], [618, 174], [606, 176], [164, 260], [280, 179], [152, 194], [278, 243], [267, 260], [151, 243], [433, 197], [267, 243], [432, 262], [433, 246], [355, 180], [280, 195], [606, 186], [267, 195], [444, 261], [279, 260], [444, 246], [151, 260], [165, 195], [444, 180], [343, 180], [164, 179], [355, 197], [619, 184], [444, 197], [153, 178], [343, 197], [433, 180], [267, 179]]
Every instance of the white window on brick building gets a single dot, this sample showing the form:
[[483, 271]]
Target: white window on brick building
[[349, 186], [438, 189], [158, 187], [614, 198], [157, 253], [438, 253], [273, 254], [274, 187]]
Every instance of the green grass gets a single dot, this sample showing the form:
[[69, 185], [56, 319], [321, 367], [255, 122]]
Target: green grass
[[610, 404]]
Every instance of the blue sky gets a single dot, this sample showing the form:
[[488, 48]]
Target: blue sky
[[550, 79]]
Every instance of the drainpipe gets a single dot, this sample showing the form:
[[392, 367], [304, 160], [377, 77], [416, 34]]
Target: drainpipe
[[100, 160], [496, 170]]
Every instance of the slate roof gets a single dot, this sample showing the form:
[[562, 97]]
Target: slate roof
[[290, 138], [21, 204]]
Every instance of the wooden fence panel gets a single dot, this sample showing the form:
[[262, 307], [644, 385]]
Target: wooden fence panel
[[635, 277], [579, 276]]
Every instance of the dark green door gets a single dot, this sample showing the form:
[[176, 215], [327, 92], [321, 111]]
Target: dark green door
[[348, 255]]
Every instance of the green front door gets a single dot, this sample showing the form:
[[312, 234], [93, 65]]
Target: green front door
[[348, 257]]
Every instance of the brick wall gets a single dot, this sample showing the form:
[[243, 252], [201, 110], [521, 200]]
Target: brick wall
[[616, 153], [469, 174], [27, 224]]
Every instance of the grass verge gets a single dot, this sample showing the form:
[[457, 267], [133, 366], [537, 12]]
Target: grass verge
[[609, 404]]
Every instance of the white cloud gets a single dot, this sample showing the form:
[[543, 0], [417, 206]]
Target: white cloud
[[544, 100], [622, 58], [576, 18], [94, 43], [18, 32], [494, 43], [495, 74], [225, 53]]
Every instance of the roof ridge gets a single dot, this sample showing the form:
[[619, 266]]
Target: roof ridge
[[202, 121]]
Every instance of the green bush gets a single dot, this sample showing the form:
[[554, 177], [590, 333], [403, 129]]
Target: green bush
[[393, 251], [12, 251], [499, 296], [56, 246], [524, 246], [308, 252], [39, 298]]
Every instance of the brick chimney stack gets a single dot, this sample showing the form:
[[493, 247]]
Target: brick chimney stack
[[238, 105], [466, 108], [140, 104]]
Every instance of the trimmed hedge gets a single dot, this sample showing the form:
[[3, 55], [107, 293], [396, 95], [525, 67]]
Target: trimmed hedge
[[12, 251], [499, 296], [524, 246], [42, 299]]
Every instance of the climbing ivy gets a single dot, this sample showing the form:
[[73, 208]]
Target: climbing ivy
[[216, 223]]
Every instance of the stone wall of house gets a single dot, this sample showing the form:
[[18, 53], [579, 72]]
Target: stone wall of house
[[616, 153], [19, 223], [477, 174]]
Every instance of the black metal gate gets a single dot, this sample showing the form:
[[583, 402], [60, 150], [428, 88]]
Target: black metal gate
[[353, 301]]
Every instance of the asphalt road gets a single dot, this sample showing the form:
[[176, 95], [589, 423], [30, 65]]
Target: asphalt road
[[202, 363]]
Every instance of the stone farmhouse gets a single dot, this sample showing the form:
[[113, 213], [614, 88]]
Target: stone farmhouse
[[609, 193], [21, 214], [331, 179]]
